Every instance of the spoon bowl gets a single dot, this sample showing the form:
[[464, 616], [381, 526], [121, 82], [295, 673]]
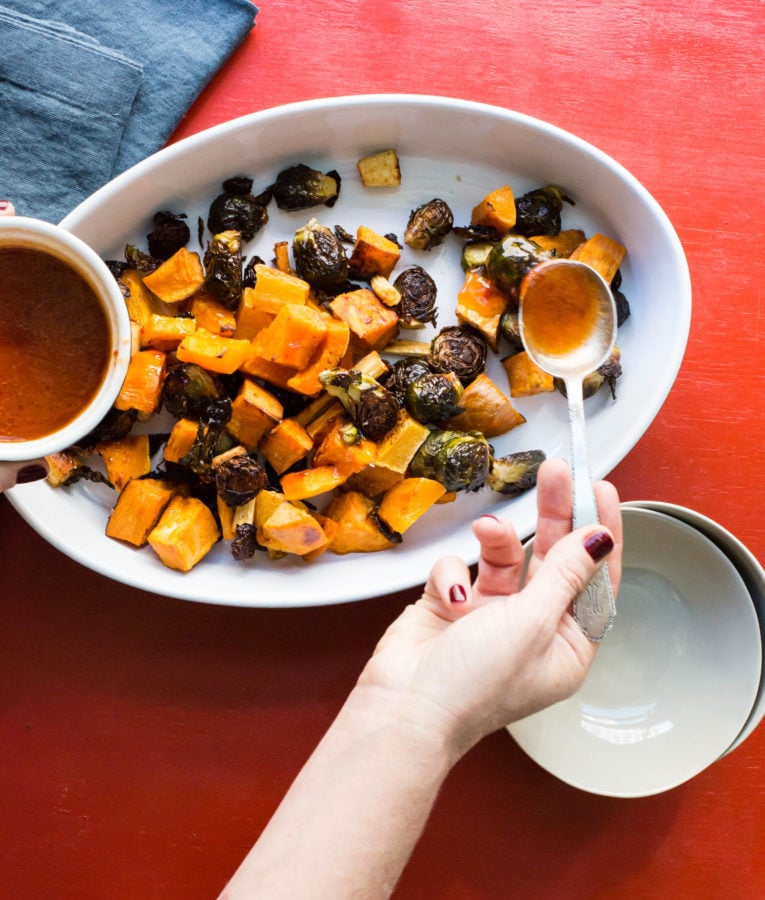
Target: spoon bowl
[[567, 322]]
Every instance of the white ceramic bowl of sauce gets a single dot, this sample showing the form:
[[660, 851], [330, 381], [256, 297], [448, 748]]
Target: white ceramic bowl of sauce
[[64, 338]]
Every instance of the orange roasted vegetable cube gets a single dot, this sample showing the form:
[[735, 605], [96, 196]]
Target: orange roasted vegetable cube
[[481, 304], [182, 436], [311, 482], [525, 377], [254, 412], [125, 459], [358, 532], [166, 332], [213, 352], [142, 387], [486, 409], [335, 450], [293, 530], [212, 315], [138, 510], [140, 302], [285, 445], [601, 253], [292, 337], [373, 254], [371, 321], [326, 356], [185, 533], [177, 278], [497, 210], [406, 502]]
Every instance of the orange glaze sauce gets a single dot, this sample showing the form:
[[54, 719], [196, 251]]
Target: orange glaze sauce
[[559, 311], [54, 343]]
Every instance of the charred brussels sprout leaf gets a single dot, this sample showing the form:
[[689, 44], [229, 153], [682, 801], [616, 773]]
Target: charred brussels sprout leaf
[[237, 210], [608, 374], [301, 187], [238, 480], [142, 262], [189, 390], [403, 373], [320, 258], [418, 298], [515, 473], [459, 350], [434, 397], [428, 225], [373, 409], [169, 234], [460, 460], [223, 268], [245, 544], [538, 211], [509, 261], [510, 330], [622, 304]]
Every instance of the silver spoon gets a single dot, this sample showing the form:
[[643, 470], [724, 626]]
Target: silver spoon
[[568, 326]]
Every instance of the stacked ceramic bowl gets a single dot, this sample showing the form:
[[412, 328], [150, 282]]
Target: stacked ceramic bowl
[[678, 682]]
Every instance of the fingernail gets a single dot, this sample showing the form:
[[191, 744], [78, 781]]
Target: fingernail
[[457, 594], [31, 473], [490, 516], [4, 204], [599, 545]]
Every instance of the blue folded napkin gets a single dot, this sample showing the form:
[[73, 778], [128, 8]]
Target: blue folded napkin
[[90, 87]]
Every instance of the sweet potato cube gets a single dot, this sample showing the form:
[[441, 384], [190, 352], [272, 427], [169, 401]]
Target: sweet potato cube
[[285, 445], [481, 304], [396, 449], [213, 352], [326, 356], [380, 169], [142, 387], [210, 314], [293, 530], [602, 253], [254, 412], [371, 321], [486, 409], [311, 482], [140, 302], [334, 450], [185, 533], [525, 377], [373, 254], [292, 337], [374, 480], [358, 532], [138, 510], [60, 466], [563, 243], [177, 278], [166, 332], [407, 501], [182, 436], [271, 282], [496, 210], [125, 459]]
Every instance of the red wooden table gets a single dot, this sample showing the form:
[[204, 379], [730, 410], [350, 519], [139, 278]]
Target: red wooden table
[[145, 741]]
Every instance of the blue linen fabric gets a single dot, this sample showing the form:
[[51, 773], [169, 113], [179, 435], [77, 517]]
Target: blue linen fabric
[[90, 87]]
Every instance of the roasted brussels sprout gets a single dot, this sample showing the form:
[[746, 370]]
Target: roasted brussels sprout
[[169, 234], [142, 262], [475, 254], [114, 426], [509, 261], [460, 350], [510, 329], [320, 258], [189, 389], [238, 479], [622, 304], [608, 374], [434, 397], [236, 209], [538, 211], [212, 440], [301, 187], [418, 298], [223, 268], [245, 543], [428, 225], [460, 460], [515, 473], [373, 409], [403, 373]]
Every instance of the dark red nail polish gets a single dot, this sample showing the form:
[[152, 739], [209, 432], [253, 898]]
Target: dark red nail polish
[[457, 594], [599, 545], [29, 473], [4, 204], [490, 516]]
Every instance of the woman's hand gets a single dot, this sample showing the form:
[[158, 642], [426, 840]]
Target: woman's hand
[[467, 659]]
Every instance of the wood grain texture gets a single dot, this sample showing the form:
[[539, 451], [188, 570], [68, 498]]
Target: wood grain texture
[[146, 741]]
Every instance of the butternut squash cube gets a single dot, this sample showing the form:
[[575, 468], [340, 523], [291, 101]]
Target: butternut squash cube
[[371, 321], [254, 412], [293, 336], [138, 510], [525, 377], [212, 315], [358, 532], [288, 443], [185, 533], [182, 436], [326, 356], [140, 302], [213, 352], [293, 530], [271, 282], [311, 482], [166, 332], [497, 210], [481, 304], [486, 409], [142, 387], [373, 254], [380, 169], [406, 502], [602, 253], [563, 243], [177, 278], [347, 458], [125, 459]]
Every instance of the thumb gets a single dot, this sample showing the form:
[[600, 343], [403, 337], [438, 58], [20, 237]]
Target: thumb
[[566, 569], [12, 473]]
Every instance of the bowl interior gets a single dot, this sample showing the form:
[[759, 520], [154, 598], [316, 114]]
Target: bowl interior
[[675, 680]]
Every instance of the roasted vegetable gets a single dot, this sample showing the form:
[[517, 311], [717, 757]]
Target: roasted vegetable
[[509, 261], [372, 408], [622, 304], [236, 209], [373, 254], [434, 397], [169, 234], [320, 258], [418, 298], [223, 268], [538, 211], [510, 329], [300, 187], [428, 225], [460, 460], [177, 278], [608, 374], [380, 169], [460, 350], [515, 473], [486, 409], [403, 373], [239, 478], [475, 254], [497, 210]]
